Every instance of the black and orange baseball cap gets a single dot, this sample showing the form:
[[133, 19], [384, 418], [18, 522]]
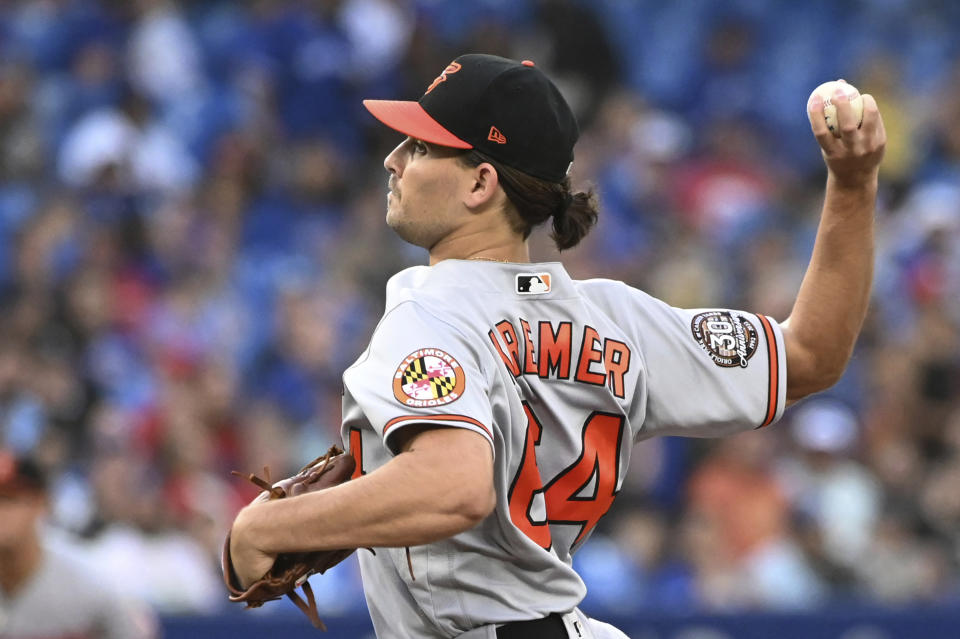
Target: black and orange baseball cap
[[509, 110]]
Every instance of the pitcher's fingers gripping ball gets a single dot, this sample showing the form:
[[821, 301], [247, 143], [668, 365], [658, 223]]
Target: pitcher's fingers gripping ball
[[854, 147], [828, 92], [291, 570]]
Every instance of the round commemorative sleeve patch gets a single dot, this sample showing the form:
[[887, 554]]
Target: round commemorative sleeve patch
[[428, 377], [729, 339]]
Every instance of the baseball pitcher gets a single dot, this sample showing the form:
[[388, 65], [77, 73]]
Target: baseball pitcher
[[493, 415]]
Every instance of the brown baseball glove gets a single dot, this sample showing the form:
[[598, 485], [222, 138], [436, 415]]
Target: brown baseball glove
[[291, 570]]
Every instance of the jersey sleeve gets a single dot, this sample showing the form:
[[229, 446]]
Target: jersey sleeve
[[420, 370], [709, 372]]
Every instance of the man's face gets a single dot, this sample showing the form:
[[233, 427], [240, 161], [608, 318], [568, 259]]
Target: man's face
[[426, 184], [19, 513]]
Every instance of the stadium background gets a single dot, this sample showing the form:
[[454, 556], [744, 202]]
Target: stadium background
[[192, 249]]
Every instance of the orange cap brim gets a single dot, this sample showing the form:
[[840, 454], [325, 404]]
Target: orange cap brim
[[411, 119]]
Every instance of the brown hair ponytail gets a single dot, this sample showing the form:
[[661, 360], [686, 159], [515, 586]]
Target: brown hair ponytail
[[536, 201], [575, 218]]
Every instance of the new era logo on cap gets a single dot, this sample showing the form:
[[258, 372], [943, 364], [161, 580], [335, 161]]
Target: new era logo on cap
[[476, 90], [496, 136], [533, 283]]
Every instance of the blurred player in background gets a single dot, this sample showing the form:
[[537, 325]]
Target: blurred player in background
[[494, 412], [45, 594]]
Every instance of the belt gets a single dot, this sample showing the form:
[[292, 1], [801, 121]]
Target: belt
[[547, 628]]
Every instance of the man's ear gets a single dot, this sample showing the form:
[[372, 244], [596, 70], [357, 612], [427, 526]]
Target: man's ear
[[484, 187]]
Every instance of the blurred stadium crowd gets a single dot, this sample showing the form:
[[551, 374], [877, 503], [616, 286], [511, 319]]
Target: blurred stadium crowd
[[192, 249]]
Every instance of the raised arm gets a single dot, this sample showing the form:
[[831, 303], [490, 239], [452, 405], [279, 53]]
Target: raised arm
[[826, 318]]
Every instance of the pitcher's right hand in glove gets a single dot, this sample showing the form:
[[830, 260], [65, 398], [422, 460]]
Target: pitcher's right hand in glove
[[290, 570]]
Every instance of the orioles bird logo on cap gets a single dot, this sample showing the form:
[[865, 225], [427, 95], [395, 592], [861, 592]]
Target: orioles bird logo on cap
[[453, 67]]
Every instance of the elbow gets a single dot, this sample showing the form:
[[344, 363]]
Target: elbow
[[485, 504], [468, 484], [454, 514], [832, 374], [476, 505], [453, 469], [817, 373], [828, 368], [459, 498], [815, 362]]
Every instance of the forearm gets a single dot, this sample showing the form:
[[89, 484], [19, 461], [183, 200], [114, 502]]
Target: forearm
[[417, 498], [832, 302]]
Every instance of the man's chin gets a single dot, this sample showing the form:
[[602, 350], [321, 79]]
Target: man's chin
[[410, 234]]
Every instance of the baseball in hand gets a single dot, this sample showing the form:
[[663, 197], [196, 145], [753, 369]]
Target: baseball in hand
[[826, 92]]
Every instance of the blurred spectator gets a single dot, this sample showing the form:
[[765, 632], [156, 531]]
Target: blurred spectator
[[164, 59], [113, 147], [379, 32], [900, 110], [902, 569], [578, 55], [834, 495], [43, 591], [137, 545], [22, 146], [739, 534]]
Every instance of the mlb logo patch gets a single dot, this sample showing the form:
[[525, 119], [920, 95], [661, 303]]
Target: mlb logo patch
[[533, 283]]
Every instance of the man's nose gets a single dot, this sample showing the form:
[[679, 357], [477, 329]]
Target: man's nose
[[393, 163]]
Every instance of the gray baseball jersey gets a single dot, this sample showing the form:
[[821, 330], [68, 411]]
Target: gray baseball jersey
[[562, 377]]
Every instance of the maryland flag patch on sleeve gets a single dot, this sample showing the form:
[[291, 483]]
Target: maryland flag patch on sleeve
[[428, 377]]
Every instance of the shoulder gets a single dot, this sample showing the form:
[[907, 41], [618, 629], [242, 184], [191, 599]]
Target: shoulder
[[417, 315], [616, 293], [408, 279], [600, 286], [412, 330], [434, 295]]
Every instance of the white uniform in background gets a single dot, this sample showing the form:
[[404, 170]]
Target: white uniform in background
[[61, 600]]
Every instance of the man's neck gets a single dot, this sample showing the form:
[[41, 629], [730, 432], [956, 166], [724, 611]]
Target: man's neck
[[486, 249], [18, 564]]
